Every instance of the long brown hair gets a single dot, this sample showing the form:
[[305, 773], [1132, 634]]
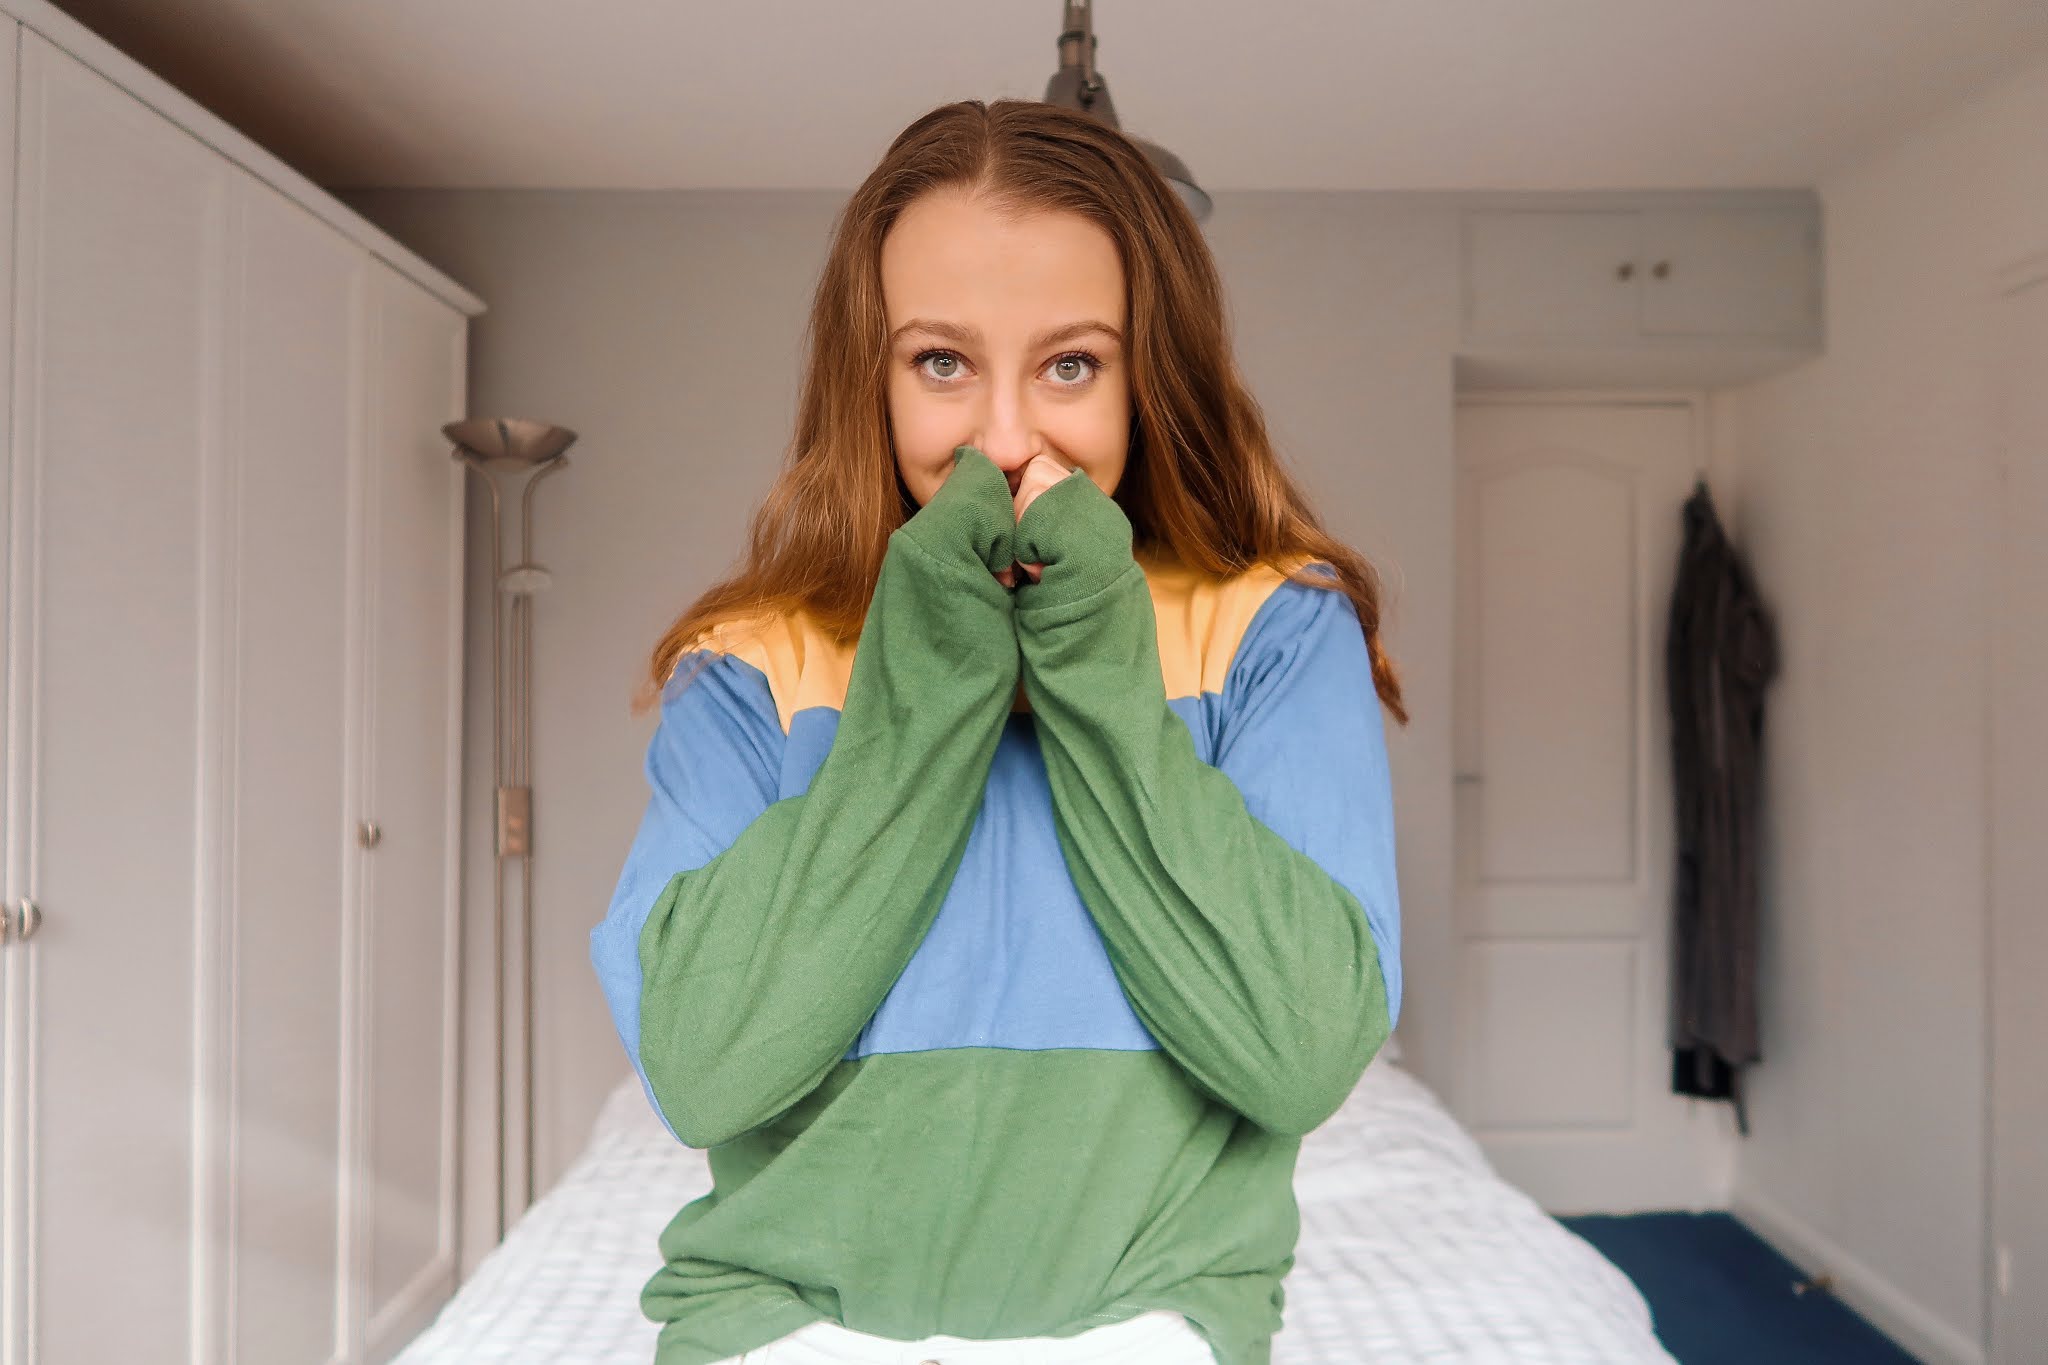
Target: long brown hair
[[1201, 481]]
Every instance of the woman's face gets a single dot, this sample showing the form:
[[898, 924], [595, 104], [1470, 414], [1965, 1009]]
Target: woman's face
[[1005, 335]]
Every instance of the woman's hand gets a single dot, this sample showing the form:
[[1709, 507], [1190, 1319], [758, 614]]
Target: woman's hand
[[1042, 473]]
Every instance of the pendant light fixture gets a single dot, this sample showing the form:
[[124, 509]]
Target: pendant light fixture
[[1078, 85]]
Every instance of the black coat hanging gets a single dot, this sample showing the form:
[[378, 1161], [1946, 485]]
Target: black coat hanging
[[1720, 652]]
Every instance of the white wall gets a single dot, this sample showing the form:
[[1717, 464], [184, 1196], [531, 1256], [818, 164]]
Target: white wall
[[665, 328], [1864, 503]]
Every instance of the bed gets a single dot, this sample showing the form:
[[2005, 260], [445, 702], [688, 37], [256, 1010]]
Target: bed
[[1412, 1250]]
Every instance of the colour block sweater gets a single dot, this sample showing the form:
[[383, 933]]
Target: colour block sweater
[[1006, 1023]]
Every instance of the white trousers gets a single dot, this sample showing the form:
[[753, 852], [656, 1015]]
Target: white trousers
[[1160, 1337]]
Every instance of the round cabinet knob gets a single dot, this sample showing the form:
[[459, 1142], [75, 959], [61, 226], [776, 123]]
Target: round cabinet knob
[[1662, 270], [1625, 271], [21, 922], [367, 834]]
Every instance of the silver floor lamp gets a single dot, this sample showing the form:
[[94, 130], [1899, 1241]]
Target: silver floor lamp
[[500, 449]]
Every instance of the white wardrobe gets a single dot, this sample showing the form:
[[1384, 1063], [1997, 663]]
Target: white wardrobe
[[231, 585]]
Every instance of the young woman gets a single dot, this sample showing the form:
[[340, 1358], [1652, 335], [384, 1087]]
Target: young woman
[[1017, 884]]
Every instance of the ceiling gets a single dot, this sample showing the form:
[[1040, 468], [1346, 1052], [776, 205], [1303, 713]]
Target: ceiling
[[1315, 94]]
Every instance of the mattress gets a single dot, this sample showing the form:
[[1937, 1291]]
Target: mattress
[[1412, 1250]]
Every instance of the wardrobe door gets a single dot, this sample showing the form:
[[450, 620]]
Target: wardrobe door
[[409, 953], [14, 775], [297, 297], [114, 621]]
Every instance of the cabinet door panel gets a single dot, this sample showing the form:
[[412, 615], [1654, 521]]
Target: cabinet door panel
[[122, 248], [14, 771], [299, 291], [413, 564], [1736, 272], [1538, 273]]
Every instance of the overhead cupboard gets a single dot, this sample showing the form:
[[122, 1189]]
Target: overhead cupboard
[[1685, 288], [232, 591]]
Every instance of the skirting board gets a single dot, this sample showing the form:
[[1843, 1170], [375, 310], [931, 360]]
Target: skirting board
[[1856, 1284]]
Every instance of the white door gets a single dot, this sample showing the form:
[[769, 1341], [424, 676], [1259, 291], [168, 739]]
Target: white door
[[1569, 526], [409, 945], [2019, 813], [121, 248]]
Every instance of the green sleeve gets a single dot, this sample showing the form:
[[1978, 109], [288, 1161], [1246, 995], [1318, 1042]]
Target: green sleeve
[[1253, 967], [761, 967]]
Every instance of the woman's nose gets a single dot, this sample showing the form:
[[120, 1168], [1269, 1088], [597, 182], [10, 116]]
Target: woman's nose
[[1009, 455]]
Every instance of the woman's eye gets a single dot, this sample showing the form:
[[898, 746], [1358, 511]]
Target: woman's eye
[[1068, 363], [1074, 370]]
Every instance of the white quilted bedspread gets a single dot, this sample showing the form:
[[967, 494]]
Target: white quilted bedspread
[[1412, 1250]]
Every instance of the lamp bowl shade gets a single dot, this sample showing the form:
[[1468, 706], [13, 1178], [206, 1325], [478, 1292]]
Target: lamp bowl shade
[[513, 440]]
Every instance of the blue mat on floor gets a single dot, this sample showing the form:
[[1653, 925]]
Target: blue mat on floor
[[1721, 1296]]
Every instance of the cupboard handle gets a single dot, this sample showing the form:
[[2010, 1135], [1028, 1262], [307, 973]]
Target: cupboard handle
[[21, 922], [1662, 270], [1625, 271], [367, 834]]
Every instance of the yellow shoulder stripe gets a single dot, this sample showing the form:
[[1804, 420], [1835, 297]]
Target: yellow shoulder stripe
[[1201, 620], [805, 667]]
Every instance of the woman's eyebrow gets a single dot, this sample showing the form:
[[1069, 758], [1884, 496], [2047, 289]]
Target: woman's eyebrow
[[968, 336]]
